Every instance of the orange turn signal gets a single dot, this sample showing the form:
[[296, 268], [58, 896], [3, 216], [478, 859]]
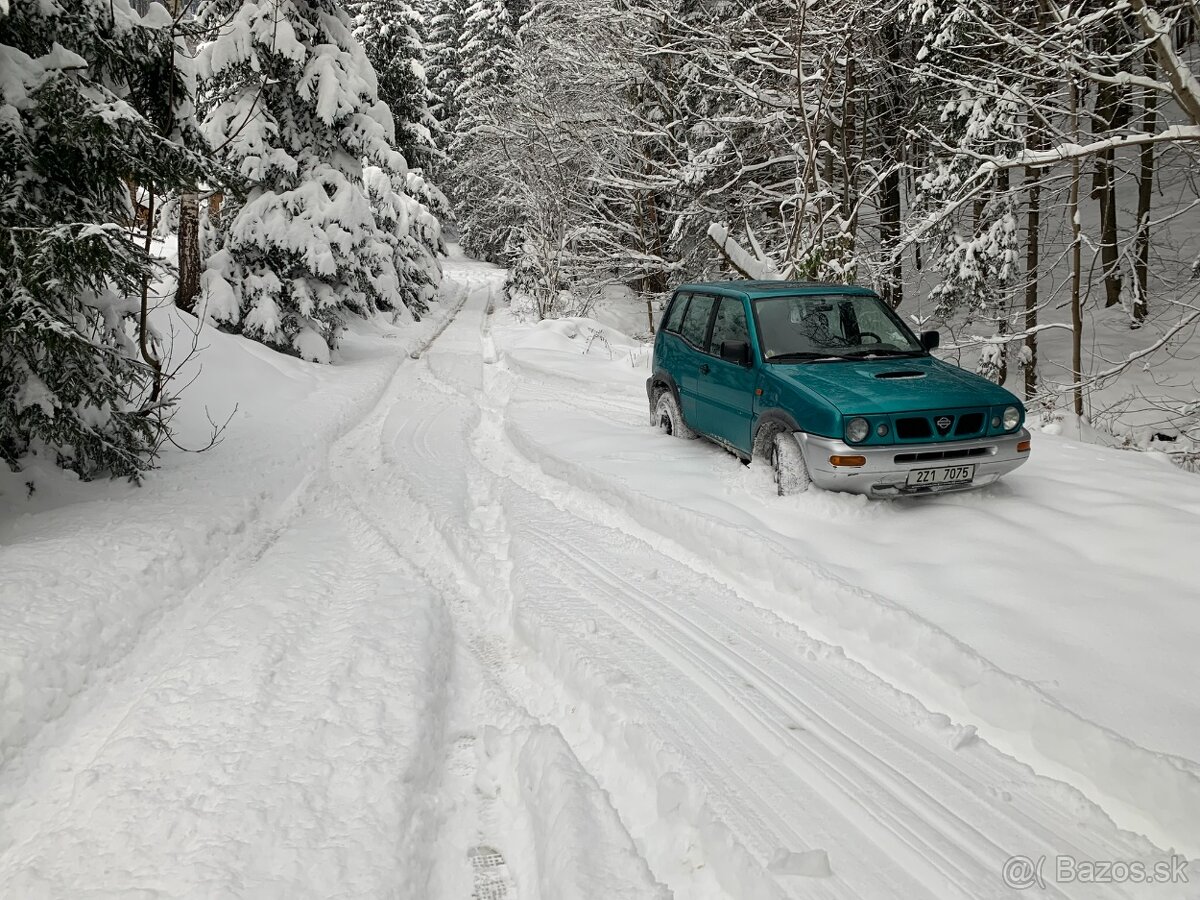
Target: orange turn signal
[[848, 460], [1023, 446]]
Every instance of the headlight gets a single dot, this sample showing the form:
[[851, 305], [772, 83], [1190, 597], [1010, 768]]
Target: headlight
[[1012, 416], [857, 430]]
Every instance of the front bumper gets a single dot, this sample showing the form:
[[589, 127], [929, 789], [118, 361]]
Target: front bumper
[[886, 476]]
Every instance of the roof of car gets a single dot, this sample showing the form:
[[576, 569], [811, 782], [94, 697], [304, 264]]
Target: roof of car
[[745, 287]]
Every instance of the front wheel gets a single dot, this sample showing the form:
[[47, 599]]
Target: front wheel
[[669, 419], [787, 465]]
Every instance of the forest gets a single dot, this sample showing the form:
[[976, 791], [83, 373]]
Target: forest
[[1016, 173]]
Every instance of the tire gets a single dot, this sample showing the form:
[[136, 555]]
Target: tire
[[669, 419], [787, 464]]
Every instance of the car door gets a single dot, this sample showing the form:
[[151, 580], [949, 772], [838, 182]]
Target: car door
[[725, 390], [693, 334]]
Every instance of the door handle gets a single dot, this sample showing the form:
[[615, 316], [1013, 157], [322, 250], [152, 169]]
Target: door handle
[[703, 368]]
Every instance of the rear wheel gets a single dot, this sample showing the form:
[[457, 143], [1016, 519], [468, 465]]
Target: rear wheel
[[787, 464], [669, 419]]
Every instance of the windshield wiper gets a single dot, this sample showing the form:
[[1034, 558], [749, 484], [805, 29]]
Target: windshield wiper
[[864, 354], [806, 355]]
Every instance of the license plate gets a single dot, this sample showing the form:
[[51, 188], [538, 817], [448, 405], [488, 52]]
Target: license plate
[[944, 475]]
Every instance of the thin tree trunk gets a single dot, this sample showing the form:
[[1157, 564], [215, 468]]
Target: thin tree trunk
[[1004, 299], [148, 355], [1033, 224], [1141, 264], [889, 230], [1111, 112], [1109, 261], [189, 252], [849, 161], [188, 287], [1076, 262], [889, 185]]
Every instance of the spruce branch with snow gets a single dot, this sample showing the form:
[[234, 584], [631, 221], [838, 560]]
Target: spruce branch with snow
[[90, 96]]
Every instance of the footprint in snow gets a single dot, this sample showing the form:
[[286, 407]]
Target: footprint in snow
[[491, 874]]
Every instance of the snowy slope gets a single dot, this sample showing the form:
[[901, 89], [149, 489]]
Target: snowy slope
[[464, 625]]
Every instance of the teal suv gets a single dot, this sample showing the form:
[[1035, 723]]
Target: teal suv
[[829, 386]]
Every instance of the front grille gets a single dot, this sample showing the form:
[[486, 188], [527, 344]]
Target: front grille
[[968, 424], [913, 429], [952, 425], [932, 455]]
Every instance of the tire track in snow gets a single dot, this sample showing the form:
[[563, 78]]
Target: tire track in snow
[[145, 735], [265, 521], [565, 839], [1144, 791], [810, 726], [1051, 801]]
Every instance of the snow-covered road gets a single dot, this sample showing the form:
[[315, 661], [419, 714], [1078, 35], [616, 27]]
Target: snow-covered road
[[479, 652]]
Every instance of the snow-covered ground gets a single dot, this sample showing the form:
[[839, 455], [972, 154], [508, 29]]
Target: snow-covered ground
[[449, 620]]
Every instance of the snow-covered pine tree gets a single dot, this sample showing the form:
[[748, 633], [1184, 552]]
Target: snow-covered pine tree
[[444, 66], [392, 33], [486, 54], [88, 94], [290, 102], [404, 208]]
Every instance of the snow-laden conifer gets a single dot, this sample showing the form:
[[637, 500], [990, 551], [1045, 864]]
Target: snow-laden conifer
[[487, 63], [291, 104], [392, 33], [91, 94], [444, 68]]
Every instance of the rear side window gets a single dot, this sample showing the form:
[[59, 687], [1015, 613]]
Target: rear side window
[[695, 322], [729, 324], [675, 313]]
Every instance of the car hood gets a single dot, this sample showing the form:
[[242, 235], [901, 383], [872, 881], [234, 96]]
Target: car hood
[[897, 384]]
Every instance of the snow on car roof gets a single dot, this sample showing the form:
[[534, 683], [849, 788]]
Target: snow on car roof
[[748, 287]]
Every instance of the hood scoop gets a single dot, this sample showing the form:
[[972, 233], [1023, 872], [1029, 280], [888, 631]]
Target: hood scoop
[[905, 374]]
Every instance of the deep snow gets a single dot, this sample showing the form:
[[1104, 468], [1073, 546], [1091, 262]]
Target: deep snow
[[463, 622]]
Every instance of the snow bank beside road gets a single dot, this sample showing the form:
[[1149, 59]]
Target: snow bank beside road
[[84, 573]]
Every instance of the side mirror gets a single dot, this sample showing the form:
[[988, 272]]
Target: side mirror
[[930, 340], [736, 352]]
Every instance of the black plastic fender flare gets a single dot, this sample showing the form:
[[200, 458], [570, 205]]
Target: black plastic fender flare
[[775, 420], [663, 377]]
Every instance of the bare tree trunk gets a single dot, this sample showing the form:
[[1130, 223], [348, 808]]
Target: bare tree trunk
[[849, 160], [1004, 299], [148, 355], [1033, 224], [889, 228], [1076, 262], [188, 287], [828, 204], [1141, 264], [189, 252], [1110, 114], [1109, 261]]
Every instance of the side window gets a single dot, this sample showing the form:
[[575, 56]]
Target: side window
[[695, 322], [729, 324], [675, 313]]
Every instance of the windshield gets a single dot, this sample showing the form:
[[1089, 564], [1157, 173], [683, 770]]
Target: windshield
[[831, 326]]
